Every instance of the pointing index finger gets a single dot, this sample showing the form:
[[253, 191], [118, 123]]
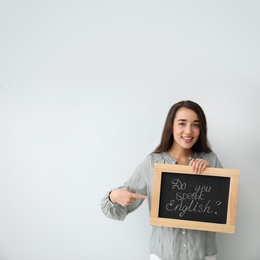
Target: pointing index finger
[[139, 196]]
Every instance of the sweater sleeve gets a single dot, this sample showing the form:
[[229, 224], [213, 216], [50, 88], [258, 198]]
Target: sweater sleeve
[[210, 241], [137, 183], [111, 210]]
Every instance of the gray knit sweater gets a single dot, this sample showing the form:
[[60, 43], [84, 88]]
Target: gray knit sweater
[[167, 243]]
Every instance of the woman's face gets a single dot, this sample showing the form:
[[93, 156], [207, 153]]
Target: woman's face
[[186, 128]]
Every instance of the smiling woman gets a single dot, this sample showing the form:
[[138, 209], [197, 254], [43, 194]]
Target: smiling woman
[[184, 141], [186, 132]]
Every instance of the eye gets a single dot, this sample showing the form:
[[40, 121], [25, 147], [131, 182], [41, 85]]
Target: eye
[[196, 125]]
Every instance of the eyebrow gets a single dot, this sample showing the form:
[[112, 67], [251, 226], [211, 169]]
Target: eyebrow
[[187, 120]]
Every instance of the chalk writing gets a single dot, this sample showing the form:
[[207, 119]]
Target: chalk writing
[[177, 183], [218, 203], [193, 198]]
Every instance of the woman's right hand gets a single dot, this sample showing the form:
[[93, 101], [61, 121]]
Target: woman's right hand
[[125, 197]]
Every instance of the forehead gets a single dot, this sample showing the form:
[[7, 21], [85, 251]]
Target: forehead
[[186, 114]]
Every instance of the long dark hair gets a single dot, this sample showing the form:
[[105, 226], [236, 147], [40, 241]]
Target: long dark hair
[[202, 144]]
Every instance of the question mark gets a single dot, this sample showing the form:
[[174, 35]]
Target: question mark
[[218, 203]]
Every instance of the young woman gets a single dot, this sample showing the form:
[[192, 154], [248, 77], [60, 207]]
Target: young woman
[[184, 141]]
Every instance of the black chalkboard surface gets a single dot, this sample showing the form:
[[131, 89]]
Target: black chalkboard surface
[[194, 197], [206, 201]]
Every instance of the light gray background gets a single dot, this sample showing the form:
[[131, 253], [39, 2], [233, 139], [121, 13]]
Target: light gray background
[[85, 87]]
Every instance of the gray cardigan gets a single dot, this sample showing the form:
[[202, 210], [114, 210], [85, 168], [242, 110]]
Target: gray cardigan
[[167, 243]]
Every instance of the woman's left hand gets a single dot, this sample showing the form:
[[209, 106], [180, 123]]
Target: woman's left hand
[[199, 165]]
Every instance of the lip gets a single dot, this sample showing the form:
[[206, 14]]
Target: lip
[[187, 139]]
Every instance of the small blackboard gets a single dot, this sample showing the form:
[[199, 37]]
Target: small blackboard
[[194, 197], [205, 202]]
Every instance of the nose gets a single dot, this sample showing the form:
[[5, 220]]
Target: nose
[[188, 129]]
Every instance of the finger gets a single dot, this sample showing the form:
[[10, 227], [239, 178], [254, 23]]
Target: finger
[[197, 165], [139, 196], [196, 168], [205, 166], [194, 164], [192, 161], [202, 166]]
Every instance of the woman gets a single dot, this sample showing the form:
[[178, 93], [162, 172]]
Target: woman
[[184, 142]]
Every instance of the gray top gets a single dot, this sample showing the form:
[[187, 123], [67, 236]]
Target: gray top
[[167, 243]]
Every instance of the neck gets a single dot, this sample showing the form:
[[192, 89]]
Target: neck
[[180, 155]]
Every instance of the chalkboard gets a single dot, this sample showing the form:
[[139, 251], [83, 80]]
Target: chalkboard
[[194, 197], [206, 201]]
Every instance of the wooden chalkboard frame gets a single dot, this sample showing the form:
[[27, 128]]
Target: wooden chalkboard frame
[[228, 227]]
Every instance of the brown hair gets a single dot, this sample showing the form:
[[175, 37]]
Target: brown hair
[[202, 144]]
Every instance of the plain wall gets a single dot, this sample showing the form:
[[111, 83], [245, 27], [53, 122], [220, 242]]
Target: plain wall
[[85, 87]]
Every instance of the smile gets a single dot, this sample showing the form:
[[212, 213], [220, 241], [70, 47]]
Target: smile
[[187, 139]]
